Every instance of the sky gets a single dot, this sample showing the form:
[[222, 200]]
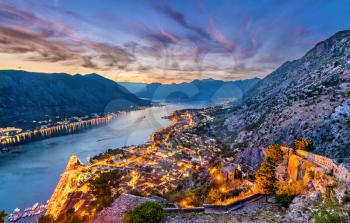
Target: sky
[[164, 41]]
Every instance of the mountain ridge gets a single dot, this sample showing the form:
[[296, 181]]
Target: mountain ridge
[[196, 90], [308, 97], [33, 96]]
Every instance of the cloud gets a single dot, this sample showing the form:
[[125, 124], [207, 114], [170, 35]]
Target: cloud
[[159, 38], [230, 41], [209, 39], [37, 39], [179, 18]]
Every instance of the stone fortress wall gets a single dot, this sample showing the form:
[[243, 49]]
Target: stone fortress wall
[[338, 170]]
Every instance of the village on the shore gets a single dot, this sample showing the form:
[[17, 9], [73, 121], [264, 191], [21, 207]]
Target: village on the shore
[[12, 136]]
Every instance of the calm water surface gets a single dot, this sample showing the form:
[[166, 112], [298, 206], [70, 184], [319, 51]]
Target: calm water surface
[[31, 173]]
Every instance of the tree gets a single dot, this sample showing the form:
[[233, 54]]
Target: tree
[[274, 152], [147, 212], [2, 216], [287, 191], [303, 144], [101, 187], [265, 181]]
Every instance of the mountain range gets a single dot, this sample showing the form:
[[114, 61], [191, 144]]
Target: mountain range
[[308, 97], [208, 90], [28, 96]]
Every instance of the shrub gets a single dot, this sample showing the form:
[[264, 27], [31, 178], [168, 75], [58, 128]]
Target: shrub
[[292, 189], [311, 174], [303, 144], [327, 216], [148, 212], [101, 188], [284, 199], [274, 152], [2, 216], [214, 196], [287, 191], [186, 198]]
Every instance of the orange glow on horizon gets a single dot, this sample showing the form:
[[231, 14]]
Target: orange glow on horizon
[[16, 62]]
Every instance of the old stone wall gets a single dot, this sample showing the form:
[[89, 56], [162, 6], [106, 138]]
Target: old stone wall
[[338, 170]]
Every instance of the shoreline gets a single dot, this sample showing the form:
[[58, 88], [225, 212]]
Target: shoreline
[[8, 143]]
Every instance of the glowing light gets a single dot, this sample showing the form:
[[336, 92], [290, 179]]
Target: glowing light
[[183, 204], [223, 189], [135, 176], [26, 136]]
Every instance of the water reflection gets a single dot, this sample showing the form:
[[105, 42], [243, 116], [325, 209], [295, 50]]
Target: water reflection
[[31, 173]]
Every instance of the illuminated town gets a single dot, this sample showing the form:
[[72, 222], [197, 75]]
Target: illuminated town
[[15, 136], [176, 157], [158, 111]]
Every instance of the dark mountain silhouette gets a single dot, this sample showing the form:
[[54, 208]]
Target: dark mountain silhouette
[[27, 96], [197, 90]]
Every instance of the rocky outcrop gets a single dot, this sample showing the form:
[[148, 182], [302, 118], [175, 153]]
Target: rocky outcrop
[[66, 185], [298, 211], [120, 207], [261, 213], [295, 170]]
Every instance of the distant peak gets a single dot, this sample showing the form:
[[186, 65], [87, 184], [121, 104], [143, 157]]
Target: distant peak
[[94, 75], [341, 33]]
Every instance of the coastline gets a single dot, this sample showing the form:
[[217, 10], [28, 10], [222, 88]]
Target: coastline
[[55, 146], [158, 167], [58, 129]]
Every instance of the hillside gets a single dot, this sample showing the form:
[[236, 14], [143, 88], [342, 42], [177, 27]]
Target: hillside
[[133, 87], [308, 97], [197, 90], [28, 96]]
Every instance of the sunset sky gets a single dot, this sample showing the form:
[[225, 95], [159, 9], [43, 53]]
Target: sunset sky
[[163, 41]]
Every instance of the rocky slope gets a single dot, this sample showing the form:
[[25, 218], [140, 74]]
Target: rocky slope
[[27, 96], [308, 97]]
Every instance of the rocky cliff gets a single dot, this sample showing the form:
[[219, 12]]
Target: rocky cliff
[[65, 186]]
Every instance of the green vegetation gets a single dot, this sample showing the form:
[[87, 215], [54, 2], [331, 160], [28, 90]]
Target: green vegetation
[[256, 124], [328, 212], [216, 195], [287, 191], [66, 217], [2, 216], [187, 197], [101, 188], [265, 181], [311, 174], [148, 212], [303, 144], [108, 154], [275, 153]]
